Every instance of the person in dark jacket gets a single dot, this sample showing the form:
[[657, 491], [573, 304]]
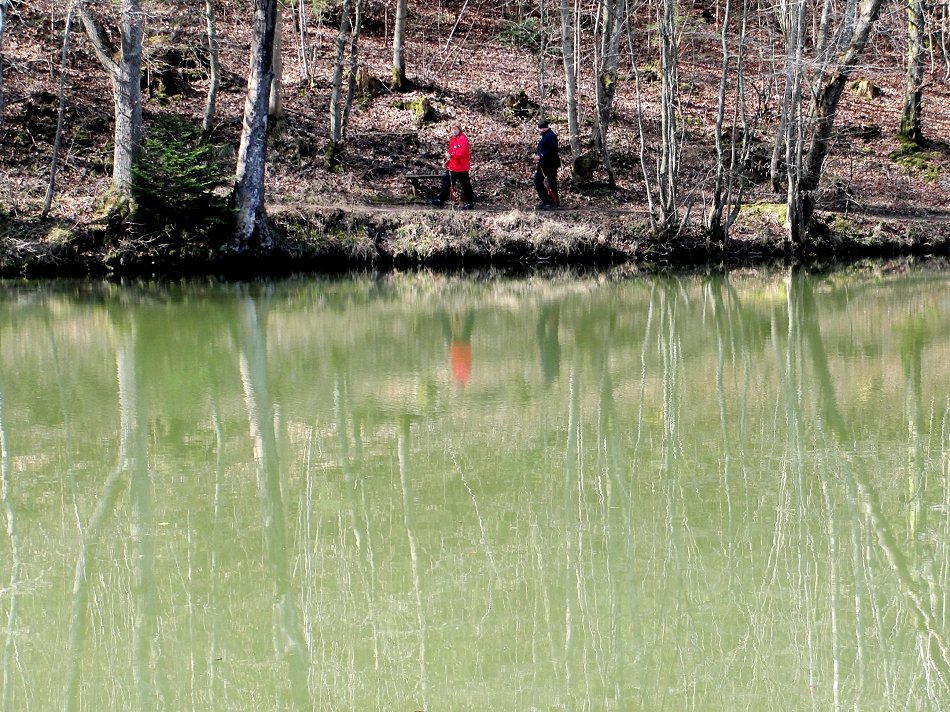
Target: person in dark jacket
[[456, 169], [545, 175]]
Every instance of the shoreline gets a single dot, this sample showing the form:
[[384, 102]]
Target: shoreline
[[340, 239]]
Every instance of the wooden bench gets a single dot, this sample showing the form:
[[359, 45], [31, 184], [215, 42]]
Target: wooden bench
[[416, 180]]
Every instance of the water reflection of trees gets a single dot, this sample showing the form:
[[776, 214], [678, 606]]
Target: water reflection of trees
[[851, 486], [132, 464], [128, 611], [288, 638], [835, 606], [645, 523], [12, 587]]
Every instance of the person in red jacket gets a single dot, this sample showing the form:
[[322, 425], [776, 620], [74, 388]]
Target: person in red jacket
[[456, 169]]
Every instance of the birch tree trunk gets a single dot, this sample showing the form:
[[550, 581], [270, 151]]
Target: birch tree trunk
[[399, 81], [124, 67], [214, 79], [911, 129], [252, 230]]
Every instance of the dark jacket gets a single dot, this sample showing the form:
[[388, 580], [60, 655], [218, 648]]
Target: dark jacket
[[547, 151]]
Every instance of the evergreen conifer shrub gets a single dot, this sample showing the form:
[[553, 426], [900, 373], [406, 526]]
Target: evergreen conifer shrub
[[174, 185]]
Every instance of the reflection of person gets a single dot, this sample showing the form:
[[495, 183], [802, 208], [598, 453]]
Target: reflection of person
[[548, 343], [458, 334], [548, 162], [456, 169]]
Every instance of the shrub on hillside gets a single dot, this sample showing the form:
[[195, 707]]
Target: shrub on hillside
[[175, 182]]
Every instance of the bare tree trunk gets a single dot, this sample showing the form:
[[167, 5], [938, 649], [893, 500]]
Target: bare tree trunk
[[399, 45], [129, 95], [847, 24], [302, 28], [726, 196], [3, 24], [668, 169], [541, 59], [125, 74], [252, 230], [801, 201], [648, 175], [647, 180], [354, 61], [611, 19], [911, 129], [788, 19], [570, 77], [822, 42], [713, 220], [214, 79], [942, 31], [336, 92], [792, 110], [351, 15], [57, 140], [275, 107], [775, 165]]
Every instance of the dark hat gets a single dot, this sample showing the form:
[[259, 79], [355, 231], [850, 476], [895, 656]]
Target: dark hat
[[543, 124]]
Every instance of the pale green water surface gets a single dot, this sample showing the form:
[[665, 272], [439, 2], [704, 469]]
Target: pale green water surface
[[435, 493]]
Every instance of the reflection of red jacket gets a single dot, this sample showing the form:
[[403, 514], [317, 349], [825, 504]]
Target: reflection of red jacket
[[459, 153], [461, 355]]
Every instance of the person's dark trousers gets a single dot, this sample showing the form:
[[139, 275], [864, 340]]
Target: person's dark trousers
[[460, 179], [547, 194]]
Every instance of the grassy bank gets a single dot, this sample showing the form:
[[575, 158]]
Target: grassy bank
[[326, 240]]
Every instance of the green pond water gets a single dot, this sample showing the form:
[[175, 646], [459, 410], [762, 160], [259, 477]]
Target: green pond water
[[421, 492]]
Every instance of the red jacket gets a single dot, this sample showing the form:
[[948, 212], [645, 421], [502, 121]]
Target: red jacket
[[459, 154]]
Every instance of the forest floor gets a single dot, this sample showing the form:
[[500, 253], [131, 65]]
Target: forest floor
[[873, 201]]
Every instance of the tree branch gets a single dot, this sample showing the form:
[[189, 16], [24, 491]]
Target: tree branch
[[101, 43]]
